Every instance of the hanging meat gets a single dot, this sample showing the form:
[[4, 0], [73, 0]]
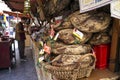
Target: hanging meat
[[66, 36], [90, 21], [100, 38], [54, 7], [60, 48]]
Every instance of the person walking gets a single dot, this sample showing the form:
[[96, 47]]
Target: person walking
[[20, 37]]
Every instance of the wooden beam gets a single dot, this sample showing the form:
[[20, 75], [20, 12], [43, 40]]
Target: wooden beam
[[17, 14], [114, 44], [17, 2], [40, 10]]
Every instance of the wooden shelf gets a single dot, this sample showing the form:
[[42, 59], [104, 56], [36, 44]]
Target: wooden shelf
[[98, 74]]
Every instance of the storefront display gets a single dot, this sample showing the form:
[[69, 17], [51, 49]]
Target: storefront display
[[68, 38], [68, 43]]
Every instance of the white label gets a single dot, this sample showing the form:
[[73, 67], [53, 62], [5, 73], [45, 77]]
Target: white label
[[87, 5], [78, 34], [47, 49], [56, 36], [115, 9], [41, 58], [58, 18]]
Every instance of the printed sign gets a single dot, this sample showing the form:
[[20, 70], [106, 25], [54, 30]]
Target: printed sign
[[115, 9], [87, 5]]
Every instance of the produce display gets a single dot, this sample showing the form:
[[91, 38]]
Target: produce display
[[53, 8], [66, 43], [91, 22], [67, 36], [100, 38], [60, 48]]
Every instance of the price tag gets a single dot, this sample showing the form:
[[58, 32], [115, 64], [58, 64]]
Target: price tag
[[56, 36], [40, 59], [78, 34], [41, 51]]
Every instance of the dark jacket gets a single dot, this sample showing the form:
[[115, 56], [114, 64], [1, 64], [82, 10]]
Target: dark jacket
[[20, 33]]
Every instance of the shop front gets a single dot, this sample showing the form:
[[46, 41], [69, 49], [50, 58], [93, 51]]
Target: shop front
[[68, 43]]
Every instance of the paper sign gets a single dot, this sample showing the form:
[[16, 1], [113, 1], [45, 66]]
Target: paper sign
[[115, 9], [87, 5]]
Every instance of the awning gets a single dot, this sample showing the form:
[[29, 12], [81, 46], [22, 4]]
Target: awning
[[17, 14], [18, 5]]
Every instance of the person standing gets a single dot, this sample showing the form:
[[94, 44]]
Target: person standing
[[20, 37]]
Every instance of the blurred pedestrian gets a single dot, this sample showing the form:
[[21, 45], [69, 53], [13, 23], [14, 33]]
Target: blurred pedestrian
[[20, 37]]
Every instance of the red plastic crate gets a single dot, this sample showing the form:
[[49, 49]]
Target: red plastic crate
[[102, 54]]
